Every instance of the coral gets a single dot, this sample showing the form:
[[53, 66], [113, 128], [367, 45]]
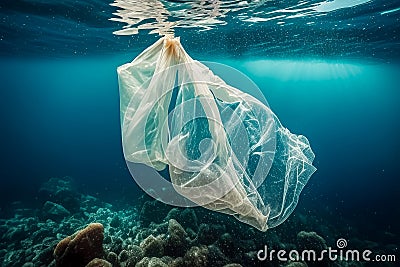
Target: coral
[[250, 259], [174, 213], [54, 211], [153, 211], [167, 259], [176, 243], [176, 230], [216, 257], [196, 257], [98, 263], [44, 254], [54, 185], [151, 262], [16, 233], [178, 262], [123, 256], [227, 244], [135, 254], [310, 240], [61, 191], [144, 262], [191, 234], [132, 256], [152, 246], [296, 264], [209, 233], [116, 243], [112, 257], [156, 262], [115, 222], [188, 219], [81, 248]]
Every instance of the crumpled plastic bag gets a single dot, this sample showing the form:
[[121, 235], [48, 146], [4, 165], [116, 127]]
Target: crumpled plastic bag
[[224, 149]]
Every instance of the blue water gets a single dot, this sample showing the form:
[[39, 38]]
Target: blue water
[[332, 77]]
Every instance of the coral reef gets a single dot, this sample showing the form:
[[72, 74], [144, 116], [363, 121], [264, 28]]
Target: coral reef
[[150, 234]]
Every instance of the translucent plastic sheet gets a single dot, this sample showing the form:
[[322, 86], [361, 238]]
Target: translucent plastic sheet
[[223, 149]]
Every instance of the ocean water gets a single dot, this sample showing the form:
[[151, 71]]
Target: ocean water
[[328, 69]]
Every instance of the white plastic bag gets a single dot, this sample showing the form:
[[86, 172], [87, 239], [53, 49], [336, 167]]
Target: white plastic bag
[[224, 149]]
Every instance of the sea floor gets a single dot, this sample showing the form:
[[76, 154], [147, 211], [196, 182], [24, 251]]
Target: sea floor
[[74, 229]]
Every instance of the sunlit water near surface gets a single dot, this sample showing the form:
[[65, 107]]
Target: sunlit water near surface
[[329, 70], [232, 28]]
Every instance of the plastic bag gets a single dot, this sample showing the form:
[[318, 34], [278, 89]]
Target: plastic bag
[[223, 149]]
